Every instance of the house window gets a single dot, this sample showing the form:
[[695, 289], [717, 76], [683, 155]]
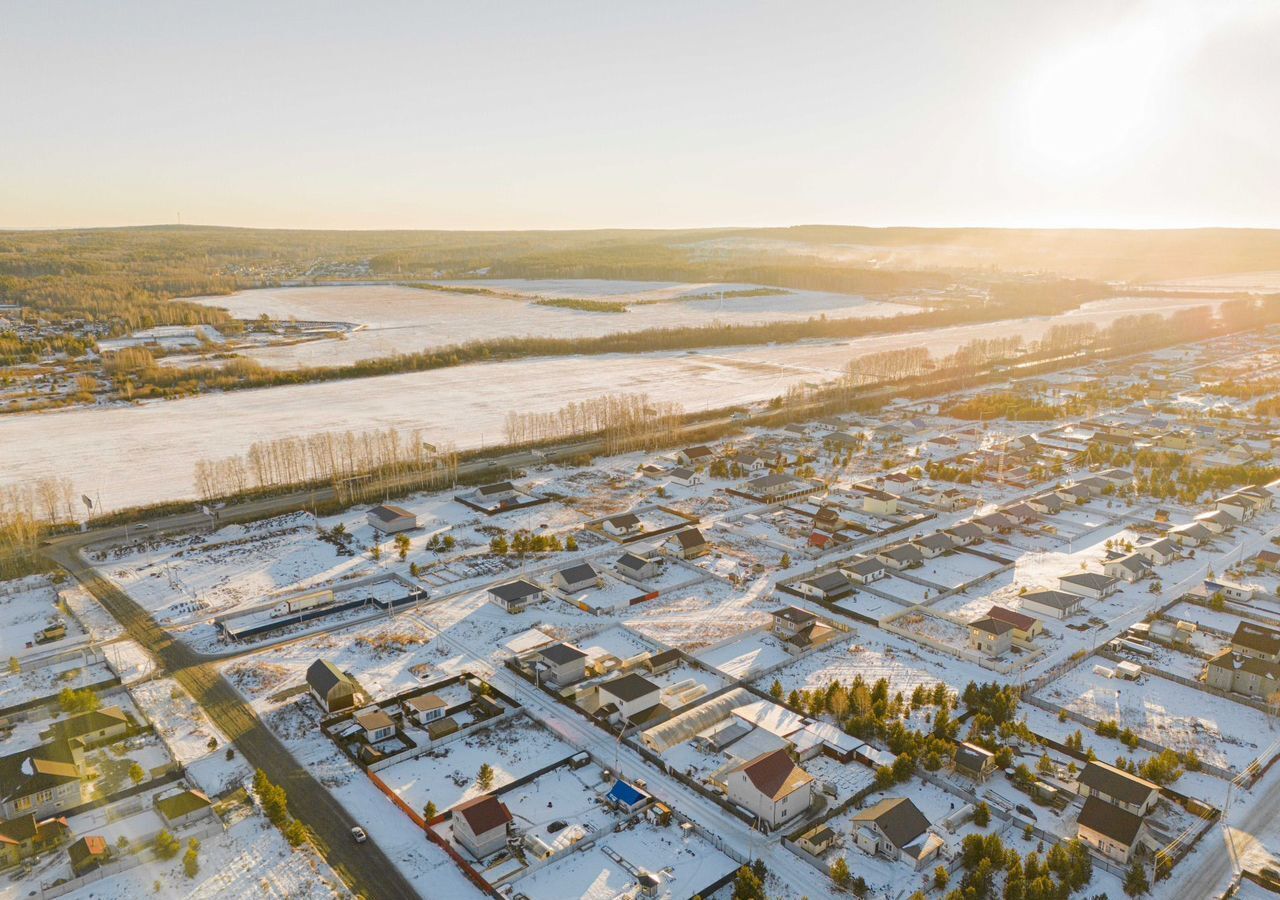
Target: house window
[[22, 803], [44, 796]]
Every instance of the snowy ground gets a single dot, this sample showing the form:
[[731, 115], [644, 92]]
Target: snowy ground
[[1171, 715], [97, 447], [403, 319], [447, 776], [28, 605]]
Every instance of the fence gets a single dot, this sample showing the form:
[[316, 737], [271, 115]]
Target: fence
[[106, 870]]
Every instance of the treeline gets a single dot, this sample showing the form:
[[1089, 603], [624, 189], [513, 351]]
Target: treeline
[[27, 512], [358, 465], [169, 381], [15, 350], [622, 421]]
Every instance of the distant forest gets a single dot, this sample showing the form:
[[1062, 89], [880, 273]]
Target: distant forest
[[125, 278]]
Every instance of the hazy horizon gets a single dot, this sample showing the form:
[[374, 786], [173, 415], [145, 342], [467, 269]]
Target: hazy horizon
[[563, 116]]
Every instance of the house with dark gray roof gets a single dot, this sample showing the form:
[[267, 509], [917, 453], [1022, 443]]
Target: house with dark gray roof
[[896, 829], [1116, 786], [1111, 831], [514, 596], [331, 688]]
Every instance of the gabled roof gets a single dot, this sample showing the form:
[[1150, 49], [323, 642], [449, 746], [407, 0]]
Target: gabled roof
[[323, 675], [775, 480], [579, 572], [971, 756], [1021, 621], [632, 561], [629, 687], [95, 720], [992, 626], [624, 520], [864, 566], [91, 846], [559, 654], [828, 582], [697, 452], [425, 702], [515, 590], [1056, 599], [181, 804], [26, 828], [899, 819], [901, 553], [775, 775], [1113, 782], [386, 513], [483, 813], [1111, 821], [936, 541], [690, 538], [1258, 638], [1089, 580], [499, 487], [794, 614]]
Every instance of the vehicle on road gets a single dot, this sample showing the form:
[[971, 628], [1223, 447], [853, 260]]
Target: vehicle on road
[[359, 834]]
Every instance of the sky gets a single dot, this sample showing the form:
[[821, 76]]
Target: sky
[[663, 114]]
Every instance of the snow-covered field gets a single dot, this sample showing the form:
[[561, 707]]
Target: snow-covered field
[[146, 452], [1226, 734], [27, 606], [400, 319]]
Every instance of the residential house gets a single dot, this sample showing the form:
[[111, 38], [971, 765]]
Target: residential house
[[879, 503], [1025, 628], [623, 524], [1090, 585], [1256, 641], [817, 840], [989, 636], [480, 825], [98, 726], [514, 596], [1128, 568], [1160, 552], [1054, 604], [689, 543], [1248, 675], [895, 828], [828, 586], [637, 567], [966, 533], [1192, 534], [779, 488], [1111, 831], [973, 761], [771, 787], [376, 725], [1218, 521], [629, 695], [88, 853], [1116, 786], [813, 635], [789, 620], [184, 808], [1046, 504], [563, 664], [332, 689], [1231, 590], [695, 456], [424, 709], [994, 523], [936, 544], [685, 476], [577, 577], [391, 519], [841, 441], [900, 556], [26, 836], [864, 570], [501, 493]]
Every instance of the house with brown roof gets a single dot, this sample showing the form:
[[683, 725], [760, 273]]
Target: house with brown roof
[[1025, 628], [771, 787], [88, 853], [1111, 831], [990, 637], [42, 781], [1129, 792], [26, 836], [480, 825]]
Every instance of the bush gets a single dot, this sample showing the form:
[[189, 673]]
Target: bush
[[982, 814], [166, 845]]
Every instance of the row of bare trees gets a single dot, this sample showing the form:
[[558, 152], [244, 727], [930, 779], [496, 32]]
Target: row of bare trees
[[624, 422], [27, 511], [358, 465]]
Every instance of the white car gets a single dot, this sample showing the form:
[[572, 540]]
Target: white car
[[359, 835]]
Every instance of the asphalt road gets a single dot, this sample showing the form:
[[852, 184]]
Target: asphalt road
[[363, 866]]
